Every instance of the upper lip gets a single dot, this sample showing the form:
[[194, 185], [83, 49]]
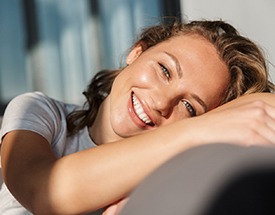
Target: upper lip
[[145, 110]]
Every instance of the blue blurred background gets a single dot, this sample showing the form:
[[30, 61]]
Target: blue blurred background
[[56, 46]]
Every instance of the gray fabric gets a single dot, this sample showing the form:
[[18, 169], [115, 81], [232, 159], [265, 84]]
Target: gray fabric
[[38, 113], [216, 179]]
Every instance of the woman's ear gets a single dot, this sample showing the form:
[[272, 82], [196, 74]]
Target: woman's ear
[[134, 54]]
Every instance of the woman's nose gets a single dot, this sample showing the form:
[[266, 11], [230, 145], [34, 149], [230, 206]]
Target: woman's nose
[[165, 104]]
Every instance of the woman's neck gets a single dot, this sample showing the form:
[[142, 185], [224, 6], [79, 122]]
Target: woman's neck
[[101, 131]]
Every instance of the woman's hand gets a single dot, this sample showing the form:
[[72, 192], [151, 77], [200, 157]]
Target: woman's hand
[[115, 208], [248, 120]]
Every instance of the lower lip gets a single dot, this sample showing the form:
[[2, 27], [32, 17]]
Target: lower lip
[[138, 122]]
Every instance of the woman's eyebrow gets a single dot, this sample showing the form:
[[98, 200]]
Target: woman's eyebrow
[[201, 102], [179, 71], [176, 62]]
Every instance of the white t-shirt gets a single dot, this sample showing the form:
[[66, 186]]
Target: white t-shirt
[[38, 113]]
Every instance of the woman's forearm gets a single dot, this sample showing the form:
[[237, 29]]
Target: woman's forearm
[[84, 181], [100, 176]]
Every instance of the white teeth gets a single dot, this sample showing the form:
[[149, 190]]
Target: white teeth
[[139, 110]]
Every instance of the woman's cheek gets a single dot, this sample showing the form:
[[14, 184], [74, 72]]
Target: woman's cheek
[[148, 77]]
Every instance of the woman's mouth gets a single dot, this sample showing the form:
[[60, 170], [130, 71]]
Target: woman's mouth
[[140, 111]]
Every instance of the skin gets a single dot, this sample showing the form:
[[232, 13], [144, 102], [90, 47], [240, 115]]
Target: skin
[[162, 80], [100, 176]]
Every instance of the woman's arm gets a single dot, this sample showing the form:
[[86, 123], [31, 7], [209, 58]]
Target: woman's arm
[[250, 117], [96, 177]]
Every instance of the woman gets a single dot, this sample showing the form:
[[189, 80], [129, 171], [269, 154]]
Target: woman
[[139, 117]]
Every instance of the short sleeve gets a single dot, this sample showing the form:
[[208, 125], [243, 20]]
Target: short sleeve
[[34, 112]]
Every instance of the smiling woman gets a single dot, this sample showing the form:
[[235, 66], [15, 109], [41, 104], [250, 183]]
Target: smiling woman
[[165, 92], [173, 95]]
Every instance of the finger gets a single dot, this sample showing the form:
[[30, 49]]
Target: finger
[[268, 129], [111, 210], [121, 204], [263, 121], [270, 110], [261, 130], [268, 120]]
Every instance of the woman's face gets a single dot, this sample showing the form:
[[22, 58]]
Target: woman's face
[[179, 78]]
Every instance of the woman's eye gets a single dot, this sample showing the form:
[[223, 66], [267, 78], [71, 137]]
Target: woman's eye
[[165, 71], [190, 108]]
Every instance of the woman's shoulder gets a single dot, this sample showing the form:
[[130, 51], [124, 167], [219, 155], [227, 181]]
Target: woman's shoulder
[[32, 97], [39, 100], [268, 98], [37, 112], [29, 99]]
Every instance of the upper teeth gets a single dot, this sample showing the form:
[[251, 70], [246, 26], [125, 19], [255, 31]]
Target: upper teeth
[[139, 110]]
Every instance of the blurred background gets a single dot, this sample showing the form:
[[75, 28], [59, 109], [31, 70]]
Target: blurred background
[[56, 46]]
